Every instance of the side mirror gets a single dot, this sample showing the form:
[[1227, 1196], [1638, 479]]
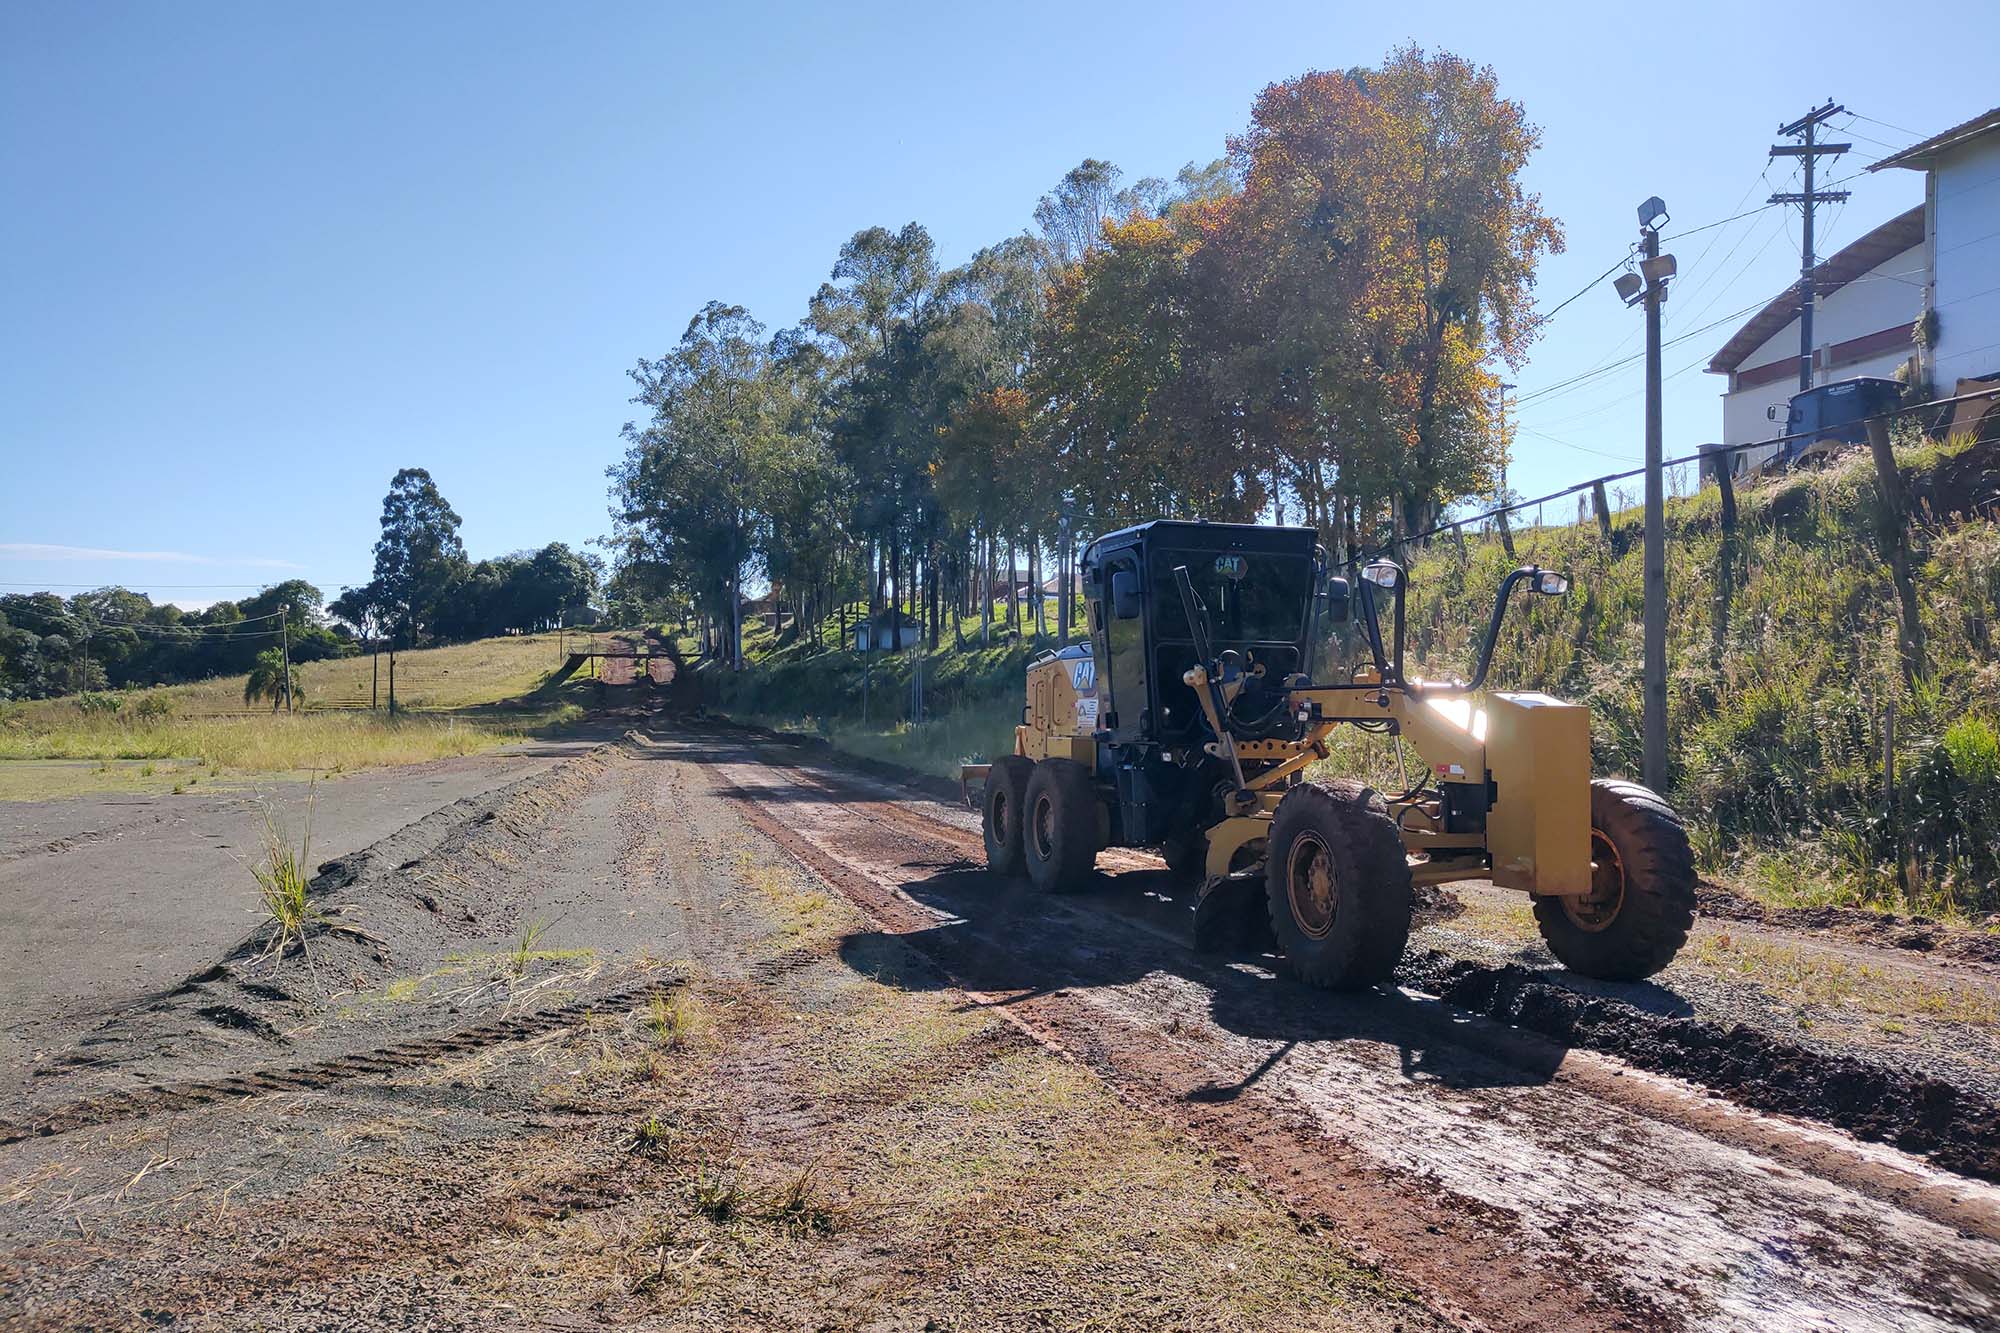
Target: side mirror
[[1126, 603], [1338, 601], [1551, 584]]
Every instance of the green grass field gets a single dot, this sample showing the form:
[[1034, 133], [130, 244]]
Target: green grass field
[[464, 698]]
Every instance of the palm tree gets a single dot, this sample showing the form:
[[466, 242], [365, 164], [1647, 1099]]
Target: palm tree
[[267, 679]]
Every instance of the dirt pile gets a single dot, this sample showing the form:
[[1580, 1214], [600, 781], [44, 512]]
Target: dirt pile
[[1955, 1128], [443, 885]]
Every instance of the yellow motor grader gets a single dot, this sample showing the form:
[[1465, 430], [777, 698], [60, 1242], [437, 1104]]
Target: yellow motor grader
[[1190, 719]]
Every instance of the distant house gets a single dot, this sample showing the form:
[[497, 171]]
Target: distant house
[[767, 609], [883, 635], [1937, 264]]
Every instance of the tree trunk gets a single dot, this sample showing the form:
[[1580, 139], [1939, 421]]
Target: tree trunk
[[986, 592], [1013, 584]]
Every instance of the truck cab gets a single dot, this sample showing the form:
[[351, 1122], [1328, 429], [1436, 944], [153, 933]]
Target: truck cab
[[1259, 585]]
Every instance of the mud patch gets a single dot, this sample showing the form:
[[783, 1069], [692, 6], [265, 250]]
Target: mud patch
[[1952, 1127]]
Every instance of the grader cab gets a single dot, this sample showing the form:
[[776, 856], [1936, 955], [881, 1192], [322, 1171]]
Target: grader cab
[[1192, 721]]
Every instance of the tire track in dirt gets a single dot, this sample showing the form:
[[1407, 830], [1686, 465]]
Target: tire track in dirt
[[1580, 1190], [380, 1061]]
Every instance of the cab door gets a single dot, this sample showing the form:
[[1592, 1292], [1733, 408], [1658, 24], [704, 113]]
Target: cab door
[[1120, 646]]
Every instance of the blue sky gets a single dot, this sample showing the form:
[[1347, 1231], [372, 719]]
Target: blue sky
[[254, 258]]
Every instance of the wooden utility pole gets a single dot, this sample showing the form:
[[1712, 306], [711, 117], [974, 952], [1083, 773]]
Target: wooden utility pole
[[1893, 534], [285, 652], [1810, 152]]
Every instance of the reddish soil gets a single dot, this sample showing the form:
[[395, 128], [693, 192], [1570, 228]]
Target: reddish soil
[[1458, 1156]]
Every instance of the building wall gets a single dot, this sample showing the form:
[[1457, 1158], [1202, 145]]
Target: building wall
[[1966, 204], [1888, 295]]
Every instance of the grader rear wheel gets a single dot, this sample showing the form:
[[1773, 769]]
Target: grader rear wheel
[[1002, 814], [1641, 904], [1186, 855], [1337, 885], [1059, 829]]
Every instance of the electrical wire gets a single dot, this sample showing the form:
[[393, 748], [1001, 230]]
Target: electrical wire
[[1619, 263], [1568, 385], [1701, 456]]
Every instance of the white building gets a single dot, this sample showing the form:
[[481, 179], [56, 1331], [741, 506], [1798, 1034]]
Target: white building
[[1868, 297], [1962, 237], [1942, 256]]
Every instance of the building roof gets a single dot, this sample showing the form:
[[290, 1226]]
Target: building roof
[[1917, 157], [1893, 237]]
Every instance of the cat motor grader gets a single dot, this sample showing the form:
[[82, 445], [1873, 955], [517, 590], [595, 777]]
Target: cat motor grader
[[1189, 722]]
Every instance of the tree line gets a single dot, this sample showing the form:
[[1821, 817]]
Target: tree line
[[424, 591], [1310, 329]]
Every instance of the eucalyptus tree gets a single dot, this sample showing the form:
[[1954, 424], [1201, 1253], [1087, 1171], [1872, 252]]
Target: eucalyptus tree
[[686, 492]]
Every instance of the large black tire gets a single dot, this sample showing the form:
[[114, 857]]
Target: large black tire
[[1337, 885], [1006, 800], [1186, 855], [1642, 879], [1059, 835]]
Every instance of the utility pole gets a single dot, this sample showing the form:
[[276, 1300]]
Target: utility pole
[[1503, 440], [285, 652], [1810, 152], [1649, 285]]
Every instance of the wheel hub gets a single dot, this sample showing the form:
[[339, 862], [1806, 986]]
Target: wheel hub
[[1043, 826], [1314, 893], [1596, 910]]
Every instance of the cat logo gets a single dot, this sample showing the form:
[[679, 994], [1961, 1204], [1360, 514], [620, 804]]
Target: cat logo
[[1083, 676]]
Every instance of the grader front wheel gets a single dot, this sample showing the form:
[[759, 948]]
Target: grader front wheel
[[1337, 884], [1641, 904]]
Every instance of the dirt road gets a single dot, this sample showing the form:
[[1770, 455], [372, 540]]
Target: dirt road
[[1502, 1170], [783, 1054]]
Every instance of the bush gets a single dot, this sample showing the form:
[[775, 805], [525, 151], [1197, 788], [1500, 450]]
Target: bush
[[1973, 747], [153, 707], [98, 703]]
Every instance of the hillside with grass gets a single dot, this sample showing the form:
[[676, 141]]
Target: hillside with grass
[[454, 700], [1786, 692]]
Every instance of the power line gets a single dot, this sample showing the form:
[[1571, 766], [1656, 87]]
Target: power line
[[1574, 381], [92, 587], [1616, 265], [1711, 452], [1886, 125]]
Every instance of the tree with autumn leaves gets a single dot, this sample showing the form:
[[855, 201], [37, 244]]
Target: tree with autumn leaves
[[1314, 329]]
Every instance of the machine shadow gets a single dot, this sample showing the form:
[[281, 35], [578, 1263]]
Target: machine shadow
[[1001, 936]]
